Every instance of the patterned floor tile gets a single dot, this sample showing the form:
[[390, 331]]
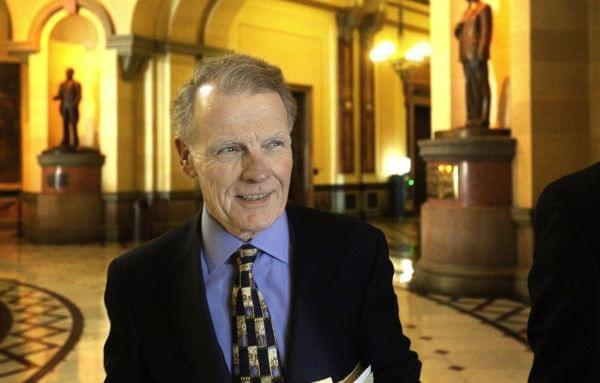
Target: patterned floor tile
[[44, 327]]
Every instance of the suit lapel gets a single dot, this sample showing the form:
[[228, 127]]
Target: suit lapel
[[183, 297], [313, 302]]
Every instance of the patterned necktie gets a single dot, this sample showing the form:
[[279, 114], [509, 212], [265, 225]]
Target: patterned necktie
[[255, 355]]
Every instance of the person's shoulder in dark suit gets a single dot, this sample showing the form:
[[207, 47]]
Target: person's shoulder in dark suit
[[140, 263], [575, 190], [360, 254], [564, 281], [131, 281], [334, 225]]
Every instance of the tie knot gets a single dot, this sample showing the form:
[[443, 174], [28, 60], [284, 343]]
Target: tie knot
[[246, 255]]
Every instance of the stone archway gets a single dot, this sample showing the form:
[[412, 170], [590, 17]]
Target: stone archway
[[74, 42], [187, 21], [215, 31], [204, 22], [151, 19], [5, 24], [32, 44], [36, 134]]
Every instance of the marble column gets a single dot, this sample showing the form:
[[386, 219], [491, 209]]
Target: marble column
[[552, 69]]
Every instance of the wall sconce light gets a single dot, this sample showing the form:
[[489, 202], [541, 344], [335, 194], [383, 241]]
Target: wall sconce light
[[385, 50], [382, 51], [413, 58], [396, 164], [419, 52]]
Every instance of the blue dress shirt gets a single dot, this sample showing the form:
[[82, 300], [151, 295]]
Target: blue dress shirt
[[271, 275]]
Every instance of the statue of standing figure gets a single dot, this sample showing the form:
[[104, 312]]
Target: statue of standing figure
[[69, 94], [474, 34]]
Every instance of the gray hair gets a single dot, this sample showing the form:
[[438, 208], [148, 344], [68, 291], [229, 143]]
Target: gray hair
[[231, 74]]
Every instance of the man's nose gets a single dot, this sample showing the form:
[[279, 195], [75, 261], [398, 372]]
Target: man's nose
[[255, 168]]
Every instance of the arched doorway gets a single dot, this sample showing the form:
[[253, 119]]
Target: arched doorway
[[10, 129], [74, 43], [301, 186]]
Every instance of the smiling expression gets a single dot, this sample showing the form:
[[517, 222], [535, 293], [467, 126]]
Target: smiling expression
[[242, 157]]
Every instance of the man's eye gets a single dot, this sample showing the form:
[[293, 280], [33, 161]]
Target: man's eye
[[276, 143], [228, 149]]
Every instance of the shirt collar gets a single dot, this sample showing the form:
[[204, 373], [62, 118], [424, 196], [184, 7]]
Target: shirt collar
[[218, 244]]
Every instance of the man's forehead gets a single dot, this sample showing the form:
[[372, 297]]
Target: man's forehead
[[213, 103], [258, 125], [209, 90], [220, 115]]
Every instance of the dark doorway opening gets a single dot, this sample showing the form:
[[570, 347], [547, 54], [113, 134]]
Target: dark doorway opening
[[416, 84], [301, 186], [10, 145], [422, 131]]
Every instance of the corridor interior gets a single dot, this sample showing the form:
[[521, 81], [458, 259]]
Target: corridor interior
[[57, 324]]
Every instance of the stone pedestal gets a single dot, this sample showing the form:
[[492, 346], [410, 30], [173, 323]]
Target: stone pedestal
[[70, 208], [467, 232]]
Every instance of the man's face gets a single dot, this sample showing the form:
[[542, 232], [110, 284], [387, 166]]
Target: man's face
[[242, 157]]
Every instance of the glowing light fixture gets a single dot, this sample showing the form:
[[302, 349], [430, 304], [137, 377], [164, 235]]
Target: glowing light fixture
[[396, 164], [445, 168], [382, 51], [419, 52]]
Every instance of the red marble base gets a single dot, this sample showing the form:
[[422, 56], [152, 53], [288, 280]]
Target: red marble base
[[70, 207], [467, 233]]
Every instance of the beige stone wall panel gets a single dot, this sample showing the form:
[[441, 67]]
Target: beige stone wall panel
[[560, 90]]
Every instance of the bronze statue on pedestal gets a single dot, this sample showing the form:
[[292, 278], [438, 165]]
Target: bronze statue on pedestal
[[474, 34], [69, 94]]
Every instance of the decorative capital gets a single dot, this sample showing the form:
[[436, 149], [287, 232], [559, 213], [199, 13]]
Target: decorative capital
[[372, 22], [135, 51], [368, 18], [348, 20]]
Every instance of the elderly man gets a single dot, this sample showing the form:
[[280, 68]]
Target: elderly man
[[253, 289]]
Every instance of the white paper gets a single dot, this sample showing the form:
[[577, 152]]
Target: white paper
[[363, 377]]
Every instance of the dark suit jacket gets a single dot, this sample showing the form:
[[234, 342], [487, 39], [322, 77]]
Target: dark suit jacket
[[343, 307], [564, 282]]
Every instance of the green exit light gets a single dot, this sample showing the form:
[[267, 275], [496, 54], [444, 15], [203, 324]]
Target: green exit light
[[410, 182]]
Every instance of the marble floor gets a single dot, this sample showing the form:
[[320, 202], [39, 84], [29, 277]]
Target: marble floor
[[53, 323]]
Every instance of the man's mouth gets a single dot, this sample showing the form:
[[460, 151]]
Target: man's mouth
[[253, 197]]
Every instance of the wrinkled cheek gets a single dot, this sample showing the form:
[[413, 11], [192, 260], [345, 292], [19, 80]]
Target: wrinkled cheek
[[210, 193], [224, 199]]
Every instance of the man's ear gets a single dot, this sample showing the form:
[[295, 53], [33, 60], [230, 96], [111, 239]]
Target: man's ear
[[185, 158]]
